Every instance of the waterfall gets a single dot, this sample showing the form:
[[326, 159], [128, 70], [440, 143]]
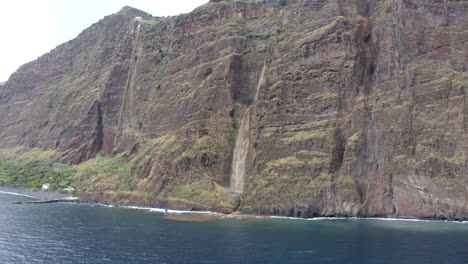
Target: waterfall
[[240, 154], [242, 147]]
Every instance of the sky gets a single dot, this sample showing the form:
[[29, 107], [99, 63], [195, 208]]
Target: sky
[[30, 28]]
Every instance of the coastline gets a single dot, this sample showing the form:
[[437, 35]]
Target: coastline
[[34, 193], [221, 216], [197, 215]]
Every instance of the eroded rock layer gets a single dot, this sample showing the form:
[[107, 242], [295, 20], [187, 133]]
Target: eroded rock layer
[[361, 110]]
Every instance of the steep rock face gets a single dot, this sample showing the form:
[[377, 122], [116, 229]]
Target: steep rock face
[[361, 110], [362, 116], [58, 101]]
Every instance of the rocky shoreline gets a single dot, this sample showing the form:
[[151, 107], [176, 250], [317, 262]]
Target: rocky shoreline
[[186, 216], [193, 214], [36, 193]]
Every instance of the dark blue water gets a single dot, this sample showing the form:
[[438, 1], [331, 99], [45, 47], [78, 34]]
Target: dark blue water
[[69, 233]]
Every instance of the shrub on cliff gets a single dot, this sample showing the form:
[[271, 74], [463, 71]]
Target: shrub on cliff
[[259, 36], [34, 172]]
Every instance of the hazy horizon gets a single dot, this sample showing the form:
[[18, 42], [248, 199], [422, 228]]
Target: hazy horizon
[[32, 28]]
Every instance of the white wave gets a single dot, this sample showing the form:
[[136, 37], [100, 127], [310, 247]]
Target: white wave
[[157, 210], [18, 194], [314, 218], [162, 210], [171, 211], [369, 218], [414, 220]]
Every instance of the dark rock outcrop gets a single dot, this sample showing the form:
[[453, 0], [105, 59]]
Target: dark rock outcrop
[[362, 111]]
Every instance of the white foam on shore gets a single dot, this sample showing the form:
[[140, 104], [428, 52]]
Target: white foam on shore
[[170, 211], [18, 194], [71, 198], [369, 218], [158, 210], [414, 220]]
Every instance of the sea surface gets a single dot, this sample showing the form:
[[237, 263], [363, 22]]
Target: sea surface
[[81, 233]]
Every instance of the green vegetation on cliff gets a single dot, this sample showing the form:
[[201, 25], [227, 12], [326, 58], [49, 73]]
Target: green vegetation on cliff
[[33, 171], [34, 168], [125, 178]]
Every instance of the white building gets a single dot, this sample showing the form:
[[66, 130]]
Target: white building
[[45, 186], [69, 189]]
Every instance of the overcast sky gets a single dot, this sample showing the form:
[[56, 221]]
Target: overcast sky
[[30, 28]]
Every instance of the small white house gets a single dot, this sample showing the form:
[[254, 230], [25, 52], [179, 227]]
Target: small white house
[[69, 189], [45, 186]]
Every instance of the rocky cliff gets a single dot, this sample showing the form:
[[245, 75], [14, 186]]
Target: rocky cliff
[[297, 107]]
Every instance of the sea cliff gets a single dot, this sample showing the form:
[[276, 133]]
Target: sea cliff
[[296, 108]]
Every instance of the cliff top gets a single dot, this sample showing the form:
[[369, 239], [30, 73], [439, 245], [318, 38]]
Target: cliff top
[[133, 12]]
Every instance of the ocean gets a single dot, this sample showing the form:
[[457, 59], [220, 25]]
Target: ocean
[[83, 233]]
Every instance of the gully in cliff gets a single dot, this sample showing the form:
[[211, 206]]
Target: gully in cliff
[[242, 146]]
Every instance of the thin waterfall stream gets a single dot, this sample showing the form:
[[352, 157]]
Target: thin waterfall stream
[[240, 154], [242, 147]]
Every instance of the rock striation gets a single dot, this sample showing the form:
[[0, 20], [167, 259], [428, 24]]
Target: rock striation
[[354, 108]]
